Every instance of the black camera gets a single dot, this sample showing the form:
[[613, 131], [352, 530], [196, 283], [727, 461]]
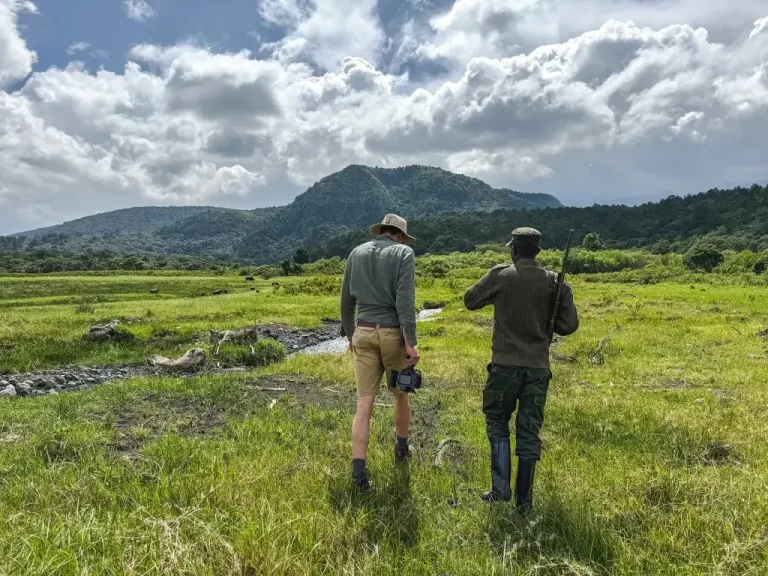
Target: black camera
[[409, 380]]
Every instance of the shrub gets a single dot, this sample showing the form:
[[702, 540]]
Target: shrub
[[593, 242], [703, 257], [264, 353], [761, 265], [318, 285]]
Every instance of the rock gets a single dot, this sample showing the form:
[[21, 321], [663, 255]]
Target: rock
[[4, 383], [91, 380], [70, 378], [60, 380], [193, 360], [24, 389], [154, 291], [107, 333], [219, 292], [249, 278], [45, 382], [8, 391], [253, 289], [52, 393]]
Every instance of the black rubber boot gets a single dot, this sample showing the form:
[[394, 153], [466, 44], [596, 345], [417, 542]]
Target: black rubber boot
[[360, 475], [524, 485], [500, 472]]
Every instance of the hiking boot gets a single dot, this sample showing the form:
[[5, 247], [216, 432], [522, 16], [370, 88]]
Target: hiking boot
[[403, 453]]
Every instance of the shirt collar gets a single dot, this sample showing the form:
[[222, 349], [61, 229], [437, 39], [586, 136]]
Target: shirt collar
[[526, 263]]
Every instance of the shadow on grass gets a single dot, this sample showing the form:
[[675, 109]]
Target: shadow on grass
[[384, 513], [554, 539]]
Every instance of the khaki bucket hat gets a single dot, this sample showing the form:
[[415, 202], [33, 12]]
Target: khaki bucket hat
[[396, 222]]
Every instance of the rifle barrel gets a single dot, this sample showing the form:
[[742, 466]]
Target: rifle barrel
[[558, 288]]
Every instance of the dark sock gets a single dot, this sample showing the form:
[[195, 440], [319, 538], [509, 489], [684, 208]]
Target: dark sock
[[402, 443], [358, 467]]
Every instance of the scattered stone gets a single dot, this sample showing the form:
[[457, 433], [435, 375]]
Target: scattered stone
[[46, 382], [24, 389], [249, 279], [219, 292], [191, 361], [154, 291], [107, 333], [4, 383], [8, 391], [60, 380], [70, 378], [91, 380]]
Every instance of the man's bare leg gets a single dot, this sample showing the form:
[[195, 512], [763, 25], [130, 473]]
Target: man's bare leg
[[402, 426], [361, 431], [402, 415], [361, 427]]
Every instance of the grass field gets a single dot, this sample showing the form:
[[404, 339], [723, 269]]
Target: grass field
[[654, 459]]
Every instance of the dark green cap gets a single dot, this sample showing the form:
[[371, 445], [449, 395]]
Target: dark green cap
[[525, 238]]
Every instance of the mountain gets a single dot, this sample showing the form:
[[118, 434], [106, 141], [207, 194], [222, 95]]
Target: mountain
[[734, 219], [354, 197]]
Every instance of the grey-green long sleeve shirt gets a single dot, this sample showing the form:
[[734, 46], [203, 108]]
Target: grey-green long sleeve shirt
[[380, 281]]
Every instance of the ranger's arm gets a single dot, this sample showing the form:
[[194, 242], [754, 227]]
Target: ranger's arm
[[567, 321], [484, 292]]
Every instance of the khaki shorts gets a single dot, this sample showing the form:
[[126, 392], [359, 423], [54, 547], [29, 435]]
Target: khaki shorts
[[378, 351]]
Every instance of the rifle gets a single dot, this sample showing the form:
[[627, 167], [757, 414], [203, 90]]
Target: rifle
[[558, 288]]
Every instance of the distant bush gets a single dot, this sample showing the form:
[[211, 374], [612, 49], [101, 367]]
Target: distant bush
[[267, 272], [316, 286], [326, 267], [761, 264], [593, 242], [264, 353], [703, 257], [738, 262], [434, 268]]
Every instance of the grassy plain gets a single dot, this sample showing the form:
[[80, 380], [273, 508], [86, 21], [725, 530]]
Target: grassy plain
[[654, 459]]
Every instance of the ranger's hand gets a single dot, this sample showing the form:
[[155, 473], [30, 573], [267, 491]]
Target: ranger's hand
[[412, 355], [351, 347]]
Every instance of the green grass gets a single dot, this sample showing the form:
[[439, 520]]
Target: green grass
[[654, 444]]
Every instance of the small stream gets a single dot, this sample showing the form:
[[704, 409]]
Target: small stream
[[341, 345]]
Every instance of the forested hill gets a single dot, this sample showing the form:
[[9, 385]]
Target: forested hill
[[730, 219], [347, 200]]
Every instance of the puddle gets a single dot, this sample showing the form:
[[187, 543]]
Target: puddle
[[340, 345]]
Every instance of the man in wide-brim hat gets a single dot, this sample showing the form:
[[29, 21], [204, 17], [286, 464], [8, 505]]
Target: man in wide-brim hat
[[380, 282]]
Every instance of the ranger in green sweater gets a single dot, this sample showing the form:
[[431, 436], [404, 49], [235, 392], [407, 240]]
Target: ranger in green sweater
[[522, 294]]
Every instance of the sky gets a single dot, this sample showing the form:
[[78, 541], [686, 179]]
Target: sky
[[108, 104]]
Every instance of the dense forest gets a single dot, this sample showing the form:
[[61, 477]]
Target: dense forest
[[344, 201], [734, 219]]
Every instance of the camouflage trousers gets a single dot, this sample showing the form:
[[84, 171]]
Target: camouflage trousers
[[523, 389]]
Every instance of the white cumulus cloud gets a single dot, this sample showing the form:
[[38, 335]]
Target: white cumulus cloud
[[16, 59], [615, 112], [139, 10]]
